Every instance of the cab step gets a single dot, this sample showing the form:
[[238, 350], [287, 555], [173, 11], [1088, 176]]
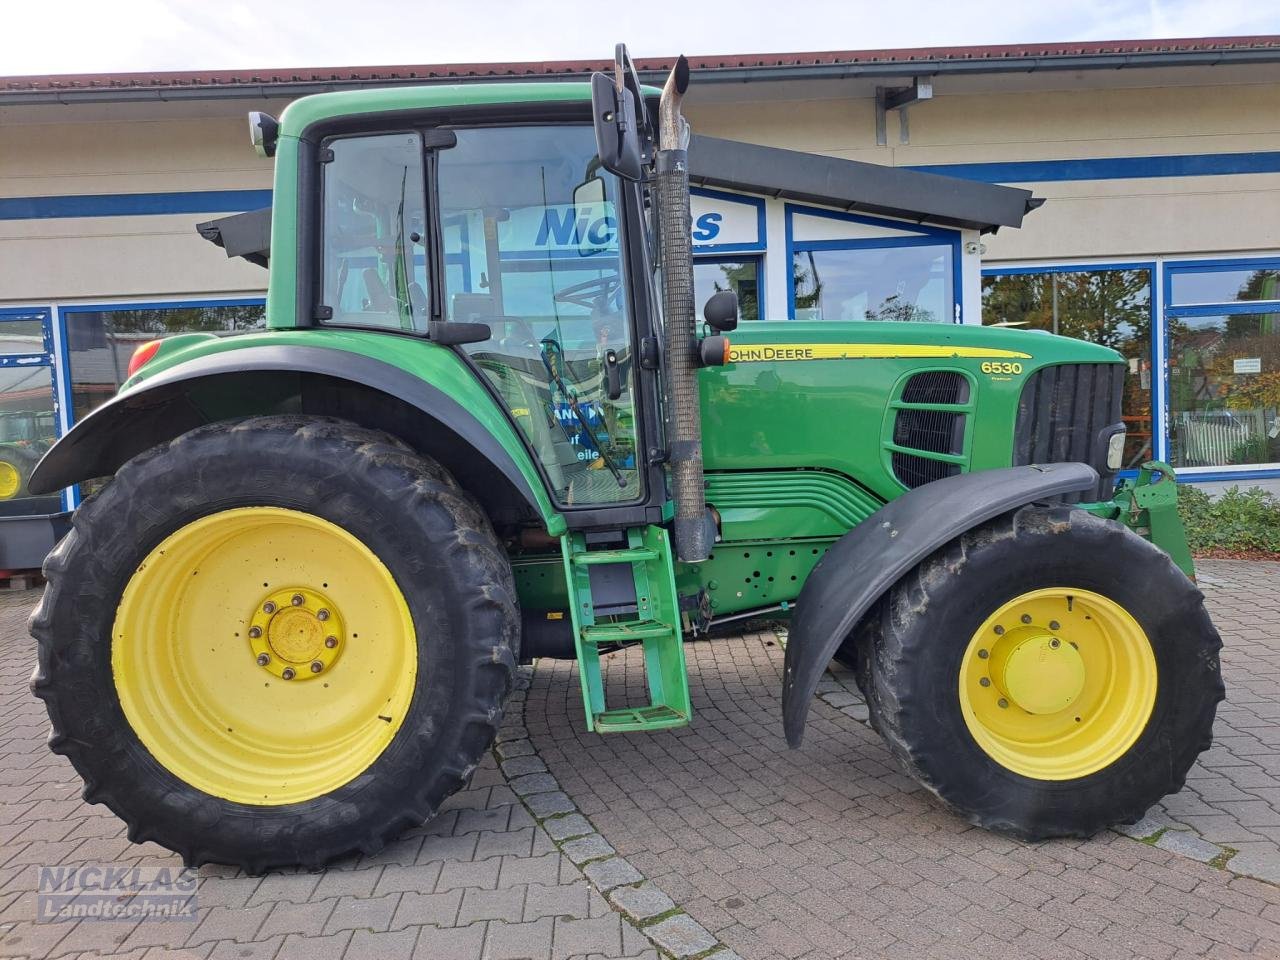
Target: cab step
[[640, 718], [650, 617], [625, 632], [614, 556]]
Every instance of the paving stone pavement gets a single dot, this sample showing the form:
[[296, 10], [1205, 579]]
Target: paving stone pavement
[[714, 841], [483, 881], [831, 851]]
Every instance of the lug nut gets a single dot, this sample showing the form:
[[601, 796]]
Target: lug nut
[[269, 607], [255, 632], [985, 681], [322, 614], [1054, 625], [316, 666], [330, 642], [297, 599], [982, 654], [999, 630], [263, 659], [1026, 618], [1003, 703], [287, 673], [1055, 643]]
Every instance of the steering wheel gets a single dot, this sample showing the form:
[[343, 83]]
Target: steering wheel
[[593, 294]]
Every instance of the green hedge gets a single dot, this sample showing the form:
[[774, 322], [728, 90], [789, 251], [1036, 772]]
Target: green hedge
[[1236, 520]]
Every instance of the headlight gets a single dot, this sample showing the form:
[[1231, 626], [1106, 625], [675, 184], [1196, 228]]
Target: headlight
[[1115, 451]]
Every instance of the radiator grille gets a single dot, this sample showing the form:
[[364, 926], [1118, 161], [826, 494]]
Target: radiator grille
[[926, 432], [938, 431], [916, 471], [936, 386], [1062, 413]]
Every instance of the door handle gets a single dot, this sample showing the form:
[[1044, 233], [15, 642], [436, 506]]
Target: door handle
[[612, 375]]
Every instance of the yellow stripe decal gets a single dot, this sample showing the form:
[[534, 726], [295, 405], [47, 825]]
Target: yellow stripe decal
[[763, 352]]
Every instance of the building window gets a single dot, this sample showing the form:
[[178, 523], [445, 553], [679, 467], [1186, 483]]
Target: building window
[[1106, 305], [27, 424], [1223, 328], [741, 275], [889, 282], [101, 339]]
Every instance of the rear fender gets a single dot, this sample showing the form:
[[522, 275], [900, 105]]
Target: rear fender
[[863, 564], [308, 380]]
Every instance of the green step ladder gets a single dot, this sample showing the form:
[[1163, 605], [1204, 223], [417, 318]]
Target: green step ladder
[[655, 624]]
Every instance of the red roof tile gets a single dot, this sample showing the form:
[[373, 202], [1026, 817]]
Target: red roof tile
[[562, 68]]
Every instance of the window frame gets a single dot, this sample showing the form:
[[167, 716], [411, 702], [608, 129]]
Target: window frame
[[49, 358], [925, 235], [756, 258], [1171, 268]]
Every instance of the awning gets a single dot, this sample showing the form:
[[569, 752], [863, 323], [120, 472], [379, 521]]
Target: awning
[[853, 185]]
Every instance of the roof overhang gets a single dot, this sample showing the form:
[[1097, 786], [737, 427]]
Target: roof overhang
[[854, 185], [732, 68]]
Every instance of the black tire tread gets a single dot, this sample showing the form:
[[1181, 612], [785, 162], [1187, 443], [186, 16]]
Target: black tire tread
[[86, 730], [891, 647]]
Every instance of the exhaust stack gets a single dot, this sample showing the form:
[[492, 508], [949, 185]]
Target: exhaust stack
[[693, 533]]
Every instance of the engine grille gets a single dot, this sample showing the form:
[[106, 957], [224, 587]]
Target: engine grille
[[927, 432], [1062, 415], [936, 386]]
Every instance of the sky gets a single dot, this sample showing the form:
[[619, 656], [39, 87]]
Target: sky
[[100, 36]]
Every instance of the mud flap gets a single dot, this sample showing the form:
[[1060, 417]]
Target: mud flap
[[870, 559]]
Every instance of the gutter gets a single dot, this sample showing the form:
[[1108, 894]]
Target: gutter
[[871, 69]]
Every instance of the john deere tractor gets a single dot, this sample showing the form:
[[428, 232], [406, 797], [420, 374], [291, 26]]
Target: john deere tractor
[[285, 628]]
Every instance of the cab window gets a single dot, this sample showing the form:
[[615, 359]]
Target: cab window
[[374, 259]]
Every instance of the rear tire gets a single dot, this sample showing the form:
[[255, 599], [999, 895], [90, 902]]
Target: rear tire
[[1137, 715], [443, 599]]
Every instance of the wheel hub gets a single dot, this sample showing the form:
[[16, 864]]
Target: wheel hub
[[1040, 674], [1057, 683], [296, 633]]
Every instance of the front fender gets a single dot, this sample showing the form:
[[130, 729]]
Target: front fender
[[871, 558], [177, 399]]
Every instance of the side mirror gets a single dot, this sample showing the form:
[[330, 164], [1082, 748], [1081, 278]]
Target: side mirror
[[264, 132], [613, 107], [589, 204], [721, 311]]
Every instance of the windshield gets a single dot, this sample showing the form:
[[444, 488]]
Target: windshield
[[531, 247]]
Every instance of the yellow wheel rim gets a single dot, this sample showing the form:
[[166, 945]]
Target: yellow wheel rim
[[10, 481], [1058, 683], [265, 656]]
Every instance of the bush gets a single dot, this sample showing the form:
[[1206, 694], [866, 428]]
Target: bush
[[1236, 521]]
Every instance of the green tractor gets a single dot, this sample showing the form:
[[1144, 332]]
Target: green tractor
[[284, 631]]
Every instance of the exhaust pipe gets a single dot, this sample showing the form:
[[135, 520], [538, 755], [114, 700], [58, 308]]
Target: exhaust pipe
[[693, 534]]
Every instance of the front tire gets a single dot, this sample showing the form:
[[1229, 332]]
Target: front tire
[[1047, 674], [276, 641]]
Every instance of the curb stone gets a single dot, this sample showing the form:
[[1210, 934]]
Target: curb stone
[[671, 931]]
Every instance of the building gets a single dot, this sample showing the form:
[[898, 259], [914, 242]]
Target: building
[[1158, 161]]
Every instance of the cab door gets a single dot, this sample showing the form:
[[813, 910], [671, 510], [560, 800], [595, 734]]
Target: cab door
[[531, 247]]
